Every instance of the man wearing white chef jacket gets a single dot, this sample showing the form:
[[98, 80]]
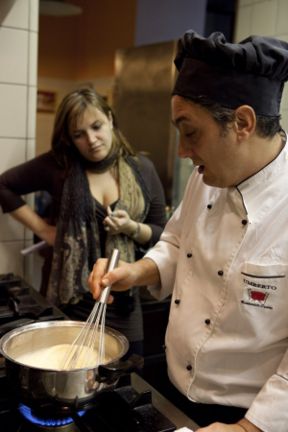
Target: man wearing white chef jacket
[[224, 253]]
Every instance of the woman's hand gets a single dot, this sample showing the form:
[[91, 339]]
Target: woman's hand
[[30, 219], [118, 222], [48, 234]]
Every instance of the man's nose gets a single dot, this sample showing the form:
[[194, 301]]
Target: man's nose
[[182, 150]]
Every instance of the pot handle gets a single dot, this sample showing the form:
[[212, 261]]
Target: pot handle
[[110, 372]]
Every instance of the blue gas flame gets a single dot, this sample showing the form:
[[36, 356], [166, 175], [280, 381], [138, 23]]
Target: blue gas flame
[[27, 413]]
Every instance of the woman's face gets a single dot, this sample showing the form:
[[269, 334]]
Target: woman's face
[[93, 134]]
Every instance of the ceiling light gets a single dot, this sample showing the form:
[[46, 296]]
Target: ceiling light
[[58, 8]]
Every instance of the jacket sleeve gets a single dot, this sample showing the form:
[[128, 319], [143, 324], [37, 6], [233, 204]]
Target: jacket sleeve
[[166, 252], [38, 174], [269, 409]]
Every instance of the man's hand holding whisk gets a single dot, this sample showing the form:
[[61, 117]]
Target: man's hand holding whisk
[[126, 275], [120, 278]]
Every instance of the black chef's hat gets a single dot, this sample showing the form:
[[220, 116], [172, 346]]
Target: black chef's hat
[[251, 72]]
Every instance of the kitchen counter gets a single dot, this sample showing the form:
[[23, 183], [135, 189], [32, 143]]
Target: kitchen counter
[[163, 405]]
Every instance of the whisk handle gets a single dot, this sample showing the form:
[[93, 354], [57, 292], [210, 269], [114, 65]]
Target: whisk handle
[[113, 260], [112, 263]]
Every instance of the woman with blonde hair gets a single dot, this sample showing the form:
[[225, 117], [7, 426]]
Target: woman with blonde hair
[[103, 196]]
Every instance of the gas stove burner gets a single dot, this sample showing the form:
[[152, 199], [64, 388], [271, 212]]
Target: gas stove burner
[[21, 304], [48, 423], [134, 409]]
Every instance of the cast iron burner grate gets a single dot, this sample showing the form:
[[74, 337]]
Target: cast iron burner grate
[[122, 409], [20, 304], [119, 410]]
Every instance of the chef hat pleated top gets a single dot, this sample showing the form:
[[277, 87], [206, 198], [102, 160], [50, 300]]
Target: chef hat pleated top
[[251, 72]]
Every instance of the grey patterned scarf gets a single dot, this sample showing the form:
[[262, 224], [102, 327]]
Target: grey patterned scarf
[[77, 243]]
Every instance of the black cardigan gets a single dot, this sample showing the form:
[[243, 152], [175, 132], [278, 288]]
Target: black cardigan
[[43, 173]]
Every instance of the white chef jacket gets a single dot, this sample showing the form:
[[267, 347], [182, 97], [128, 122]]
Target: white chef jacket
[[224, 255]]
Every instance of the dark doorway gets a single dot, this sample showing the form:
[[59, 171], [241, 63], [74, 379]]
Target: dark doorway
[[220, 16]]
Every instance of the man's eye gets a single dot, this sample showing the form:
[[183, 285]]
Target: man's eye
[[189, 134], [97, 126]]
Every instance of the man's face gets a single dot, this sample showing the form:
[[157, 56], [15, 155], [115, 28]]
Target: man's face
[[216, 153]]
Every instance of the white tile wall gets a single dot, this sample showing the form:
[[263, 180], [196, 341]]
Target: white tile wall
[[10, 229], [11, 258], [12, 152], [264, 18], [242, 3], [34, 15], [13, 110], [31, 111], [28, 234], [18, 84], [30, 148], [15, 13], [267, 18], [284, 101], [32, 268], [13, 55], [244, 23], [282, 17], [284, 121], [33, 59]]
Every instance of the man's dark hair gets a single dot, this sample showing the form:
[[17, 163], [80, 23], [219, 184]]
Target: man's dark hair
[[266, 127]]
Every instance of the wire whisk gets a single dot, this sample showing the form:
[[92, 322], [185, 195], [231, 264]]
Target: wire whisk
[[88, 348]]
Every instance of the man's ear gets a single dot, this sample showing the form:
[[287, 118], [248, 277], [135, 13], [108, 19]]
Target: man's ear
[[245, 121]]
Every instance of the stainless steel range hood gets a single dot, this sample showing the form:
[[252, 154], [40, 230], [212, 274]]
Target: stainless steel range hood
[[144, 79]]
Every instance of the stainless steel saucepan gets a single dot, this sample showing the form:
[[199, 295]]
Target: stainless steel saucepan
[[33, 383]]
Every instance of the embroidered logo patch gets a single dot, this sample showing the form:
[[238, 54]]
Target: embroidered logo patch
[[257, 297], [257, 290]]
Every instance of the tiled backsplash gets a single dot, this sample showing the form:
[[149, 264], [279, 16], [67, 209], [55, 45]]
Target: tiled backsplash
[[18, 89]]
